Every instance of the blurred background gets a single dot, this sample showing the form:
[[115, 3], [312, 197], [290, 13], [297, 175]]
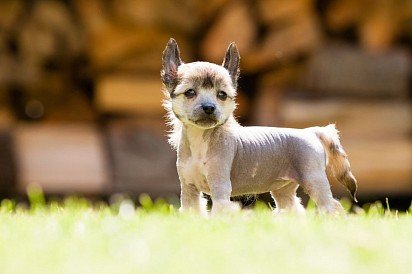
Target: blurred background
[[80, 90]]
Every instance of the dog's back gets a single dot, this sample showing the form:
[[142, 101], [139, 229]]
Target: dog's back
[[265, 158]]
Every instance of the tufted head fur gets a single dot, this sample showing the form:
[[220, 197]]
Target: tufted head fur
[[200, 94]]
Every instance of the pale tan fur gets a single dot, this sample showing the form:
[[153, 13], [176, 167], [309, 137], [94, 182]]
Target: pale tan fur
[[219, 157], [337, 160]]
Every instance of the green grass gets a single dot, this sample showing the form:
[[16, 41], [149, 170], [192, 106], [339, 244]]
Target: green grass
[[76, 237]]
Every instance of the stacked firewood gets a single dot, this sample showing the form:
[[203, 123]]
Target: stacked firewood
[[126, 38], [98, 61], [41, 51], [378, 24], [55, 54]]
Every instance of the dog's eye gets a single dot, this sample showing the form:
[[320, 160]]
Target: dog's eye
[[190, 93], [222, 95]]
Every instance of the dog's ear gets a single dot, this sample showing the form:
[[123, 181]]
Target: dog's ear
[[231, 62], [171, 61]]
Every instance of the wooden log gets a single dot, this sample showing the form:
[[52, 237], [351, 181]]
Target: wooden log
[[356, 119], [285, 76], [61, 159], [145, 58], [10, 10], [378, 23], [6, 116], [283, 11], [343, 14], [92, 14], [143, 160], [271, 89], [166, 14], [113, 45], [49, 31], [282, 45], [130, 94], [234, 25], [349, 71], [266, 110], [380, 28], [213, 7], [382, 167]]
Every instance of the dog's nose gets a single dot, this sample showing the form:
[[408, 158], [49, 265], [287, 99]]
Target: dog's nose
[[208, 108]]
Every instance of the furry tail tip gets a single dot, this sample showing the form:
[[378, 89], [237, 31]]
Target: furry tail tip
[[337, 159]]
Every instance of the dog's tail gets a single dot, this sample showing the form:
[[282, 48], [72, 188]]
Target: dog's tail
[[337, 163]]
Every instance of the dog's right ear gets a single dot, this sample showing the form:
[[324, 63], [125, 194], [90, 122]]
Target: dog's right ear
[[171, 61]]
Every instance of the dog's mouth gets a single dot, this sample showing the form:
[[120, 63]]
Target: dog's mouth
[[205, 122]]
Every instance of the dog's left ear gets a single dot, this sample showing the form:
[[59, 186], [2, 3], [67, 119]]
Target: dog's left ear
[[231, 62], [171, 61]]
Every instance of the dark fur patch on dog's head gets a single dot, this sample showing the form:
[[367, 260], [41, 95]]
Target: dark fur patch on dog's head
[[208, 81]]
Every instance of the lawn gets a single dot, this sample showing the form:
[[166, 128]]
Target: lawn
[[75, 236]]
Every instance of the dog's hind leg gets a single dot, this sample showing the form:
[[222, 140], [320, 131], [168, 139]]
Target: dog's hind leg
[[286, 199], [317, 187]]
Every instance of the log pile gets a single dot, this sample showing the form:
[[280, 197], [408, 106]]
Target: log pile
[[99, 61], [377, 24]]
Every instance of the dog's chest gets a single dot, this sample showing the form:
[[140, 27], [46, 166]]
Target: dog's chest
[[193, 167]]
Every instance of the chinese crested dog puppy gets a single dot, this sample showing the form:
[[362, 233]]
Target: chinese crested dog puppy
[[217, 156]]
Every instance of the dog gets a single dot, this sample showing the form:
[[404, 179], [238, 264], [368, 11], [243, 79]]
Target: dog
[[219, 157]]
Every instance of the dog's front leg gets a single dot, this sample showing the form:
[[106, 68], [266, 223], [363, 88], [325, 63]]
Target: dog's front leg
[[218, 168], [191, 199], [220, 192]]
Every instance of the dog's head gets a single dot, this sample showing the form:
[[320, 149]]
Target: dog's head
[[201, 93]]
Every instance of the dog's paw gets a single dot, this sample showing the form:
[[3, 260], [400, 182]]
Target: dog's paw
[[196, 211], [225, 207], [297, 211], [183, 209], [333, 208]]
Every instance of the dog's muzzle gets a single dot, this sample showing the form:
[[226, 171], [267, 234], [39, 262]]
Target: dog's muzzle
[[206, 121], [205, 116]]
